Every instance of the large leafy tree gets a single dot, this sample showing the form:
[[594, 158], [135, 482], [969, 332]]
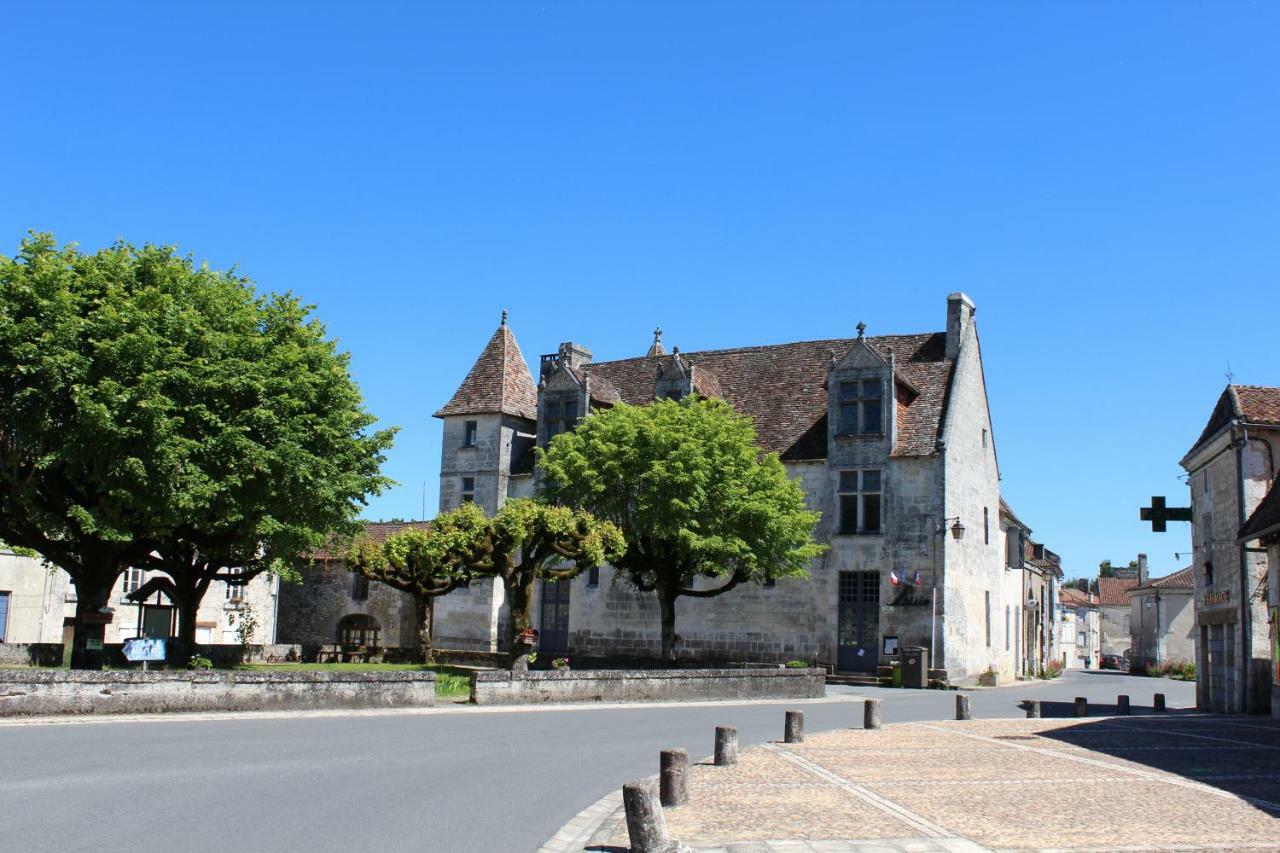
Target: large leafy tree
[[163, 413], [528, 540], [702, 509], [425, 562]]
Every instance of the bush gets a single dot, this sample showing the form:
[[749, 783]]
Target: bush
[[199, 662], [1183, 671], [1051, 670], [797, 664]]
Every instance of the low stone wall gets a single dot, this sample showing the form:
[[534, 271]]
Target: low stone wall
[[26, 692], [31, 654], [671, 685]]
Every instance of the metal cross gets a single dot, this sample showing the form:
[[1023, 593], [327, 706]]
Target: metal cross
[[1158, 513]]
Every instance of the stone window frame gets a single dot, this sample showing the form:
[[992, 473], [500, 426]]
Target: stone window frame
[[470, 433], [856, 490], [466, 490], [557, 416], [857, 405]]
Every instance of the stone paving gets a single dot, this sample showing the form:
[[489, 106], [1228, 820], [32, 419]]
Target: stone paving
[[1176, 782]]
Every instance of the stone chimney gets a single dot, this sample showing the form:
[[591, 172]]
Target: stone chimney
[[1142, 570], [960, 313], [574, 355]]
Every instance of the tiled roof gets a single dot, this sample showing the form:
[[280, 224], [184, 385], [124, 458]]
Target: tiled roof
[[1008, 512], [377, 531], [1072, 597], [1265, 519], [1114, 592], [499, 382], [1179, 580], [783, 388], [1253, 404]]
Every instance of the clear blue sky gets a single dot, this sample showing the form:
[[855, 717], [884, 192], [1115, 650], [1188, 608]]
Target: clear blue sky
[[1103, 179]]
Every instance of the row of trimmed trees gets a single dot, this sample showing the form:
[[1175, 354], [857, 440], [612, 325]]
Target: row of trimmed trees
[[675, 495]]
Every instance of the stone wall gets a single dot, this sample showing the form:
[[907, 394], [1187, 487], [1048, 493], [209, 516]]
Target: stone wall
[[1115, 629], [310, 611], [1164, 627], [31, 654], [509, 688], [132, 692]]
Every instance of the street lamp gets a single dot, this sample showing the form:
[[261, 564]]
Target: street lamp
[[957, 530]]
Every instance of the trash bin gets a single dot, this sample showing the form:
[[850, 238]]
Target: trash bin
[[915, 667]]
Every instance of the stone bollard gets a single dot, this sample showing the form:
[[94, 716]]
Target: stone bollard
[[962, 708], [793, 731], [1082, 706], [646, 824], [726, 746], [673, 775], [871, 714], [1158, 704], [1033, 708], [1122, 704]]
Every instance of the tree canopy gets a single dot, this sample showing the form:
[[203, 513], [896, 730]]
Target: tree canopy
[[157, 406], [693, 494]]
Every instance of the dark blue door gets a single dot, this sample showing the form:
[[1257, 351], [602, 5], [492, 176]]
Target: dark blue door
[[4, 614], [553, 622], [858, 622]]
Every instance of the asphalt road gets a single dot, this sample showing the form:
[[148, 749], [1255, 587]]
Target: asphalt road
[[470, 780]]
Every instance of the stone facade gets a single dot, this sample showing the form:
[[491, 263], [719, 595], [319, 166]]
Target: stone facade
[[1162, 616], [928, 455], [313, 612], [1231, 468], [506, 687], [1262, 531], [1080, 637]]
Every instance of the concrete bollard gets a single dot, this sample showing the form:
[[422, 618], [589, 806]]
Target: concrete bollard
[[962, 708], [871, 714], [646, 824], [1158, 704], [673, 776], [1033, 708], [726, 746], [1122, 704], [793, 730], [1082, 706]]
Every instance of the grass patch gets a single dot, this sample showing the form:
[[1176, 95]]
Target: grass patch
[[451, 683]]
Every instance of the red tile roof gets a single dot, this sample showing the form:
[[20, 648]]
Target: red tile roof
[[1072, 597], [377, 531], [783, 388], [1179, 580], [499, 382], [1114, 592], [1265, 520], [1253, 404]]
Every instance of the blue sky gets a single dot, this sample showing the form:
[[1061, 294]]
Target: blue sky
[[1101, 178]]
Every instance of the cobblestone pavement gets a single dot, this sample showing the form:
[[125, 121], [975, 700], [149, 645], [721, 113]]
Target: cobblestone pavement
[[1177, 782]]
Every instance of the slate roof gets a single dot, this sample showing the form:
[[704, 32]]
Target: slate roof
[[499, 382], [1114, 592], [1253, 404], [1180, 580], [783, 388], [1265, 520]]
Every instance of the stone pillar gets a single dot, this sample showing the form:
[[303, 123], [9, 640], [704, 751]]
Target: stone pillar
[[871, 714], [726, 746], [673, 774], [1122, 704], [1033, 708], [793, 731], [646, 824], [1082, 706], [1158, 704], [962, 708]]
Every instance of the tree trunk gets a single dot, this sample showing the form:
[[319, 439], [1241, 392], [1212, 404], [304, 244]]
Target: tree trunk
[[93, 592], [426, 606], [519, 596], [667, 604], [184, 645]]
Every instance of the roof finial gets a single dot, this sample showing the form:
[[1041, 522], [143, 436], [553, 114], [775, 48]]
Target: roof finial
[[862, 328], [504, 317], [656, 348]]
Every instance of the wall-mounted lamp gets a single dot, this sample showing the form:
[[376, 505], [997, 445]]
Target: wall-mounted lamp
[[957, 530]]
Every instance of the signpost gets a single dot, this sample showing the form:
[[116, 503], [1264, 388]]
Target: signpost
[[144, 649]]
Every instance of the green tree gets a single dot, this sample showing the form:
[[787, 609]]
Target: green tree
[[1105, 570], [693, 495], [425, 562], [160, 407]]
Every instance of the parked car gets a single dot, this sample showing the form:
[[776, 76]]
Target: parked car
[[1114, 662]]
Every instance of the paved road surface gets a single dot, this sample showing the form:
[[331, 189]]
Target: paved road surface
[[471, 780]]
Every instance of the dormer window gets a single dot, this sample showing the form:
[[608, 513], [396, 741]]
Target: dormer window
[[561, 416], [862, 407]]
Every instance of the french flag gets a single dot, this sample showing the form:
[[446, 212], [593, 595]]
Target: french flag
[[894, 579], [916, 580]]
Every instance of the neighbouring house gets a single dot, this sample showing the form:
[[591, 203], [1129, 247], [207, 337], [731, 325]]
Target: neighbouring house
[[1031, 595], [1114, 608], [1080, 635], [38, 603], [891, 439], [1162, 619], [1230, 468], [1262, 530]]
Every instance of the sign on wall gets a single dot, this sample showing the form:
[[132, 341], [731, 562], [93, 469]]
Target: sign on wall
[[144, 649]]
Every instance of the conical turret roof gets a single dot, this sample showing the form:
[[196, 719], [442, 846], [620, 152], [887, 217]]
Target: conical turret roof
[[499, 381]]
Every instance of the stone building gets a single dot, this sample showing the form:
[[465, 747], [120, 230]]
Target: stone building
[[1262, 530], [1032, 577], [1113, 609], [1162, 616], [1080, 637], [889, 436], [1231, 467]]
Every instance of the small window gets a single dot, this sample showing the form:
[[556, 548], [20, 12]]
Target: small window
[[469, 435], [593, 576], [984, 438], [562, 416], [133, 580], [235, 585], [987, 594], [468, 490], [359, 587], [860, 502], [1007, 621], [769, 583], [1208, 572], [986, 525], [862, 407]]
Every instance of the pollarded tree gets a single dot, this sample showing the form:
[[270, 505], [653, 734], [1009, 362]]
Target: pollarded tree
[[527, 541], [154, 407], [693, 495], [425, 562]]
